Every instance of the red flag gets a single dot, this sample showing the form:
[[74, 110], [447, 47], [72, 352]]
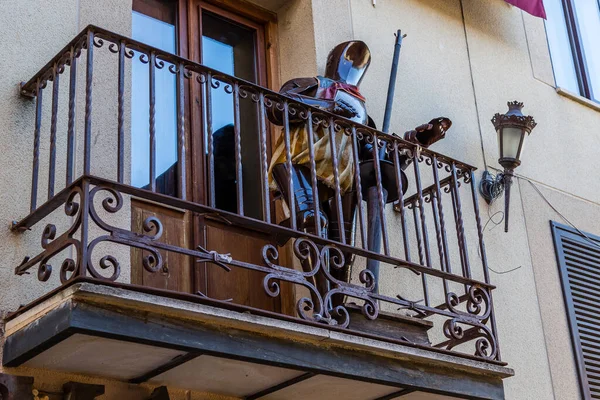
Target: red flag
[[533, 7]]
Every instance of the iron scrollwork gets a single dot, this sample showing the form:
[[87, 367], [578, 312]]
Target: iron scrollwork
[[53, 245]]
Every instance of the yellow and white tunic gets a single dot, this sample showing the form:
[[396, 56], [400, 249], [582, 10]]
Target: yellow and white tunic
[[322, 146]]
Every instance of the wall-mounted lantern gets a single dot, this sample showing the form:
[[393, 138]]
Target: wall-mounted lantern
[[512, 129]]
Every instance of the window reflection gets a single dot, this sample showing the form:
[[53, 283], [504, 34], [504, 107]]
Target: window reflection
[[161, 35], [573, 43], [560, 48], [231, 49], [588, 17]]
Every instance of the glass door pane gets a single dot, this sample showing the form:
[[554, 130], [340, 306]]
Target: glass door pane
[[159, 33], [232, 49]]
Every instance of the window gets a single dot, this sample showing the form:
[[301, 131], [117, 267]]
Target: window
[[578, 258], [154, 23], [573, 29]]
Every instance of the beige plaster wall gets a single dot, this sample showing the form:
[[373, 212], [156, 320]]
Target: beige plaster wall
[[583, 214], [32, 33]]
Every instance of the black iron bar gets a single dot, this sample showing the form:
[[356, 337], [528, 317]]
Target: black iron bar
[[238, 149], [36, 147], [29, 86], [438, 232], [483, 255], [89, 76], [313, 172], [181, 162], [380, 200], [288, 164], [152, 119], [484, 263], [336, 181], [53, 121], [264, 158], [446, 265], [421, 207], [82, 249], [459, 223], [358, 186], [208, 135], [121, 115], [405, 239], [238, 220], [421, 253], [392, 85], [71, 122]]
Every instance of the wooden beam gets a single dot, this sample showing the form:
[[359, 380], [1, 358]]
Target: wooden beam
[[176, 362], [280, 386], [396, 395]]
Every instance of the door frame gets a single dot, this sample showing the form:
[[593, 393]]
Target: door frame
[[265, 24]]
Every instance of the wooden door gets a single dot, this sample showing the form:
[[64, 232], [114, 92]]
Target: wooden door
[[162, 24], [233, 41], [237, 39]]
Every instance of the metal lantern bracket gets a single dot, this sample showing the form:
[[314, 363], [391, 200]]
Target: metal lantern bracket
[[491, 187]]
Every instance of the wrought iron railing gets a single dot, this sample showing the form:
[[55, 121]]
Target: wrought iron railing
[[451, 289]]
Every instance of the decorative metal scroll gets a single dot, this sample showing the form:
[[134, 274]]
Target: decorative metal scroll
[[466, 317]]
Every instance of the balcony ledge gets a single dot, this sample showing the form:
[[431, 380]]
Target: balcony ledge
[[56, 332]]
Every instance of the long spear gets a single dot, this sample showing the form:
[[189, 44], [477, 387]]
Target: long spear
[[374, 226]]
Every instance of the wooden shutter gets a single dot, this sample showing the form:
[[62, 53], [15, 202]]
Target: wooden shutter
[[578, 258]]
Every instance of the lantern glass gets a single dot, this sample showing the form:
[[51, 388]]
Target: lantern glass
[[510, 138]]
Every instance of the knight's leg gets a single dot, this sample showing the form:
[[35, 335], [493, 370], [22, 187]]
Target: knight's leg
[[349, 204], [304, 200]]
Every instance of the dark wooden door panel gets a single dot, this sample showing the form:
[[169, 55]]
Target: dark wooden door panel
[[176, 273], [241, 285]]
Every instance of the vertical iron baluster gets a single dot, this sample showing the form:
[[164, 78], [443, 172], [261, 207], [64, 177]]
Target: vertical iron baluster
[[434, 208], [89, 76], [264, 162], [208, 135], [440, 209], [484, 263], [359, 197], [421, 252], [53, 120], [336, 180], [152, 119], [421, 207], [380, 196], [71, 123], [288, 163], [36, 145], [401, 202], [238, 149], [181, 164], [82, 249], [459, 223], [436, 224], [313, 171], [121, 115]]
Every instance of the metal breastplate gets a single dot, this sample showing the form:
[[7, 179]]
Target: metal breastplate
[[346, 98], [355, 103]]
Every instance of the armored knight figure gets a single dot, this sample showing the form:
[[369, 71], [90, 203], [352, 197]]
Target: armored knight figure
[[337, 92]]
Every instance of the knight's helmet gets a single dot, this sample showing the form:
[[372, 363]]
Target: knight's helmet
[[348, 62]]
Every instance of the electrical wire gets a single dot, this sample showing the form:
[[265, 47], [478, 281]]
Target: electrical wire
[[572, 225]]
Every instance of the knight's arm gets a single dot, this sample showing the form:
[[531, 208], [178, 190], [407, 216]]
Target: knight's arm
[[303, 90]]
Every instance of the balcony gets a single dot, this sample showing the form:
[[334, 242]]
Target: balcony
[[414, 314]]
